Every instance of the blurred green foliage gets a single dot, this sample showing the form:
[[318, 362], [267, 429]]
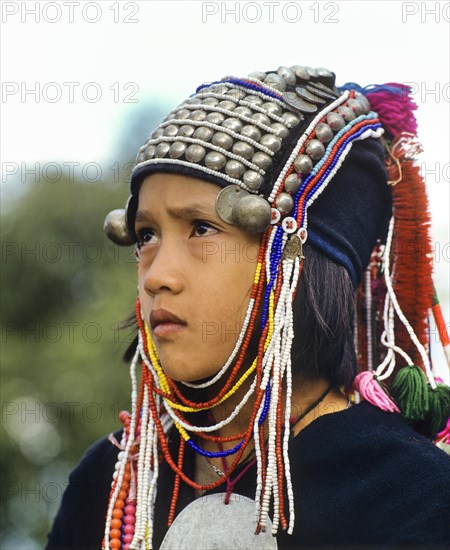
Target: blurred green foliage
[[65, 289]]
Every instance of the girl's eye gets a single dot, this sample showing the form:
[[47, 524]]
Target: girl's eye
[[204, 228], [145, 236]]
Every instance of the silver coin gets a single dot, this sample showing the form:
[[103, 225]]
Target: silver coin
[[308, 96], [274, 80], [287, 74], [226, 200], [297, 102], [319, 92], [258, 75], [300, 72]]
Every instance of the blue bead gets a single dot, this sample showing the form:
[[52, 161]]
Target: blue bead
[[213, 454]]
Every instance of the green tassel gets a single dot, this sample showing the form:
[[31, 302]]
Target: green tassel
[[410, 391], [439, 411]]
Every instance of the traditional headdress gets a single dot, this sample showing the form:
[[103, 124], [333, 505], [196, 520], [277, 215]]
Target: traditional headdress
[[297, 158]]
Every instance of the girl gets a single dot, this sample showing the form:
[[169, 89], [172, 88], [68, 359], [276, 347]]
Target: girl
[[278, 294]]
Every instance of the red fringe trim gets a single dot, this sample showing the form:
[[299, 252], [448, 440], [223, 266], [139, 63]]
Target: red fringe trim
[[412, 260]]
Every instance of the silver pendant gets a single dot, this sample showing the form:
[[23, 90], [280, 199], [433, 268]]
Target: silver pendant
[[210, 524]]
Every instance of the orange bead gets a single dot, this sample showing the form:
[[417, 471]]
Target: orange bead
[[119, 503], [115, 543], [117, 513], [116, 523], [122, 494], [127, 476], [125, 485], [115, 533]]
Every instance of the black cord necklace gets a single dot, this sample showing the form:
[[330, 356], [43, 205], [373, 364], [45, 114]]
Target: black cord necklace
[[313, 405]]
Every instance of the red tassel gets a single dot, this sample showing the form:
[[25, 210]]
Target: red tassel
[[412, 261]]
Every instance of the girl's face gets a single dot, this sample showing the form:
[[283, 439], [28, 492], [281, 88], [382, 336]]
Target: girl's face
[[195, 274]]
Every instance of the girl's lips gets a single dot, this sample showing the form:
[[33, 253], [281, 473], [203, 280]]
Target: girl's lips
[[162, 330], [165, 323]]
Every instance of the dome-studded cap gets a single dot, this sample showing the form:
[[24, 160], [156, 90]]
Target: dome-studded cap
[[232, 131], [240, 131], [277, 137]]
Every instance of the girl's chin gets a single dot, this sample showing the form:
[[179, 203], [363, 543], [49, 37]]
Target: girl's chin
[[183, 375]]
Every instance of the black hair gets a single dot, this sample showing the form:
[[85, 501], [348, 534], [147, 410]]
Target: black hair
[[324, 315]]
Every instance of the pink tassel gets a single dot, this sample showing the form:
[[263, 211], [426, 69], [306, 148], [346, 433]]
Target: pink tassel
[[395, 107], [444, 436], [371, 391]]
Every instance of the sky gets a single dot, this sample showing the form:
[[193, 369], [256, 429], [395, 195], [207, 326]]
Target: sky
[[74, 72]]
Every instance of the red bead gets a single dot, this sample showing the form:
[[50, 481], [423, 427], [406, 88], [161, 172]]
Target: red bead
[[128, 529], [115, 543], [130, 509], [116, 523], [126, 547], [129, 520], [127, 539], [119, 503], [115, 533], [123, 416]]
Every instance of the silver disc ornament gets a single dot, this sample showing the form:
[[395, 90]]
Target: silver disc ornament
[[115, 227], [226, 199], [210, 524], [252, 213]]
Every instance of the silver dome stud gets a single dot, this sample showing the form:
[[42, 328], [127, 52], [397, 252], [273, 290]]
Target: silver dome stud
[[116, 229], [252, 213]]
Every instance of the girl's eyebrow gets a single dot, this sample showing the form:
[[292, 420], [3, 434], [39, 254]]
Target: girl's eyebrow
[[191, 211]]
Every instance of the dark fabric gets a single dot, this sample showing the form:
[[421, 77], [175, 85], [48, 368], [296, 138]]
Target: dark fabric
[[353, 212], [362, 479]]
